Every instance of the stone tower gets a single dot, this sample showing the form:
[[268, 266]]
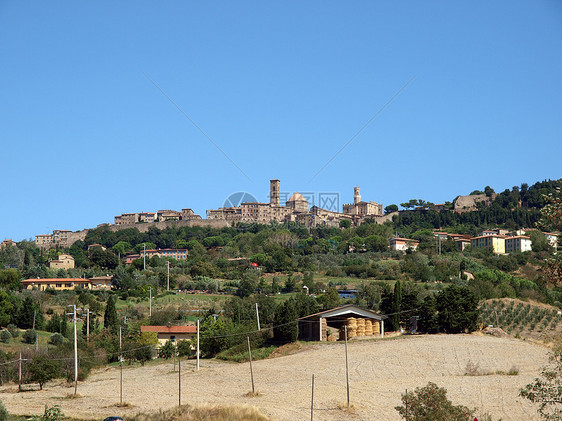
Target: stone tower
[[274, 193], [356, 195]]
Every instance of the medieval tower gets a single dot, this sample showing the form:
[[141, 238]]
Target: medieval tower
[[356, 195], [274, 193]]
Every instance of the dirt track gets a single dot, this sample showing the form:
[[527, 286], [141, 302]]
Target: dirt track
[[380, 371]]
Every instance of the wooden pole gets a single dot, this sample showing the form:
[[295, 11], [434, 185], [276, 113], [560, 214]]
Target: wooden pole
[[312, 401], [179, 382], [88, 326], [121, 369], [150, 303], [258, 316], [197, 344], [75, 355], [251, 369], [346, 366], [19, 377]]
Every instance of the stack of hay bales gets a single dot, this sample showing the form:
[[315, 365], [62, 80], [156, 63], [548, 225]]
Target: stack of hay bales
[[351, 324], [368, 327], [360, 327], [376, 327]]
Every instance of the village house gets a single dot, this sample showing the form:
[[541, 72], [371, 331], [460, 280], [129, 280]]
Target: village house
[[518, 243], [171, 333], [462, 243], [403, 244], [177, 254], [63, 261], [7, 243], [101, 282], [58, 284], [496, 243]]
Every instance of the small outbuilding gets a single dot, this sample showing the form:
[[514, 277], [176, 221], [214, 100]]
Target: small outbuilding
[[331, 325]]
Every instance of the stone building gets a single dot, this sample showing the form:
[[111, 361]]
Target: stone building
[[63, 261], [7, 243], [263, 213], [361, 208]]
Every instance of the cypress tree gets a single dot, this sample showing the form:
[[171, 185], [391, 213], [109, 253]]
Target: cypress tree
[[110, 320], [396, 305]]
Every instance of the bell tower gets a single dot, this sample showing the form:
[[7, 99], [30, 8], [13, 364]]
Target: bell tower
[[356, 195], [274, 193]]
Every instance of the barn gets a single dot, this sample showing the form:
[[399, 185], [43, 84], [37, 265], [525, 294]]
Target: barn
[[330, 325]]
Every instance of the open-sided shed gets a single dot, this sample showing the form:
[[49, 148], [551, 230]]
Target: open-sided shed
[[359, 322]]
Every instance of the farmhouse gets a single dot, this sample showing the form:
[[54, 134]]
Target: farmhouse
[[330, 325], [171, 333], [58, 284]]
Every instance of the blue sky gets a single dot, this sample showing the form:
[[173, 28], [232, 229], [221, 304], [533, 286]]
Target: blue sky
[[280, 88]]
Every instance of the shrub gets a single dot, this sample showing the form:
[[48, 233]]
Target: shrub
[[3, 412], [5, 336], [167, 350], [430, 403], [29, 336], [42, 369], [56, 339], [13, 330]]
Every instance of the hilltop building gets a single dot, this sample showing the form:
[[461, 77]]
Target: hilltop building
[[7, 243], [296, 209], [64, 261], [360, 208]]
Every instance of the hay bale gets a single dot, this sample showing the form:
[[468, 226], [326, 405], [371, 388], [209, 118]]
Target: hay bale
[[360, 322]]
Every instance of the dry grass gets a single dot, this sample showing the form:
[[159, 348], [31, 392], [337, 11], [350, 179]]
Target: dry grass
[[123, 405], [473, 369], [252, 394], [288, 349], [73, 396], [205, 413], [350, 410]]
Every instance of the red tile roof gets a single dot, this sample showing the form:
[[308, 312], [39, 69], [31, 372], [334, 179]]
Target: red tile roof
[[169, 329]]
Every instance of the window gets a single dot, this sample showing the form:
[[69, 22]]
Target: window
[[172, 338]]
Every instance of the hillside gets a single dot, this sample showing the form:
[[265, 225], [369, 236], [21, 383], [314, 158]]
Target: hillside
[[380, 371]]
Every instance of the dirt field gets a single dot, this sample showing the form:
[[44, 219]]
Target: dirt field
[[380, 370]]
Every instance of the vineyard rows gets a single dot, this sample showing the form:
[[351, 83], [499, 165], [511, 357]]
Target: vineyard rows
[[514, 318]]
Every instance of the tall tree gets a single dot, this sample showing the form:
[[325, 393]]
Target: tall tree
[[285, 329], [458, 310], [396, 305], [110, 320]]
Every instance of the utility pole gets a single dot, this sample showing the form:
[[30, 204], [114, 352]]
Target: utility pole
[[150, 303], [346, 366], [258, 316], [144, 256], [179, 383], [19, 377], [197, 344], [121, 363], [251, 369], [168, 275], [75, 349], [312, 401]]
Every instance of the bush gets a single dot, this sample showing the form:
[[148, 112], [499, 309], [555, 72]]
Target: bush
[[13, 329], [29, 336], [5, 336], [167, 350], [56, 339], [3, 412], [430, 403], [42, 369]]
